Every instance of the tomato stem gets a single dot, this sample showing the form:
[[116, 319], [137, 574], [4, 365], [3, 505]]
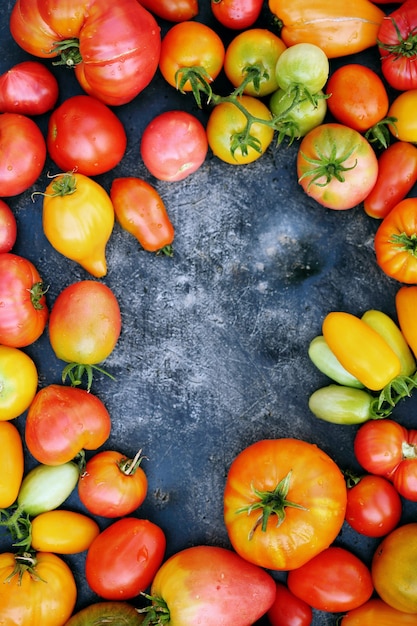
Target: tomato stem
[[327, 167], [25, 562], [76, 371], [405, 243], [69, 51], [129, 466], [405, 47], [157, 613], [17, 522], [37, 291]]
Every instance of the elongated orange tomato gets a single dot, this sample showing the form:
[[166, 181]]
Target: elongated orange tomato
[[361, 350], [63, 532], [11, 464], [406, 306], [338, 28]]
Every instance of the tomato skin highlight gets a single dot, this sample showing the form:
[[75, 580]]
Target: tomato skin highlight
[[288, 610], [123, 559], [63, 532], [335, 580], [376, 611], [28, 88], [397, 175], [212, 586], [62, 420], [11, 464], [374, 507], [314, 483], [141, 211]]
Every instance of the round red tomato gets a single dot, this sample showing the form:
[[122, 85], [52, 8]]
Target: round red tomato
[[378, 446], [174, 145], [334, 581], [284, 502], [172, 10], [236, 14], [288, 610], [336, 166], [24, 313], [85, 135], [28, 88], [22, 153], [123, 559], [8, 228], [396, 45], [374, 507], [112, 485]]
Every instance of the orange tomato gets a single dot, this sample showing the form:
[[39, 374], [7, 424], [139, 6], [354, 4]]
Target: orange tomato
[[406, 306], [11, 464], [63, 532]]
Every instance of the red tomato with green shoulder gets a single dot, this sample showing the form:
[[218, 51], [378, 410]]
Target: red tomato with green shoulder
[[374, 507], [288, 610], [141, 211], [336, 166], [8, 228], [28, 88], [172, 10], [84, 135], [106, 613], [236, 14], [174, 145], [123, 559], [396, 46], [275, 494], [335, 580], [112, 484], [22, 151], [62, 421], [211, 586], [24, 311]]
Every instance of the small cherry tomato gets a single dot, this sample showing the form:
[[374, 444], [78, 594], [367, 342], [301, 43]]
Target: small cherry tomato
[[403, 109], [374, 507], [335, 580], [236, 14], [62, 532], [174, 145], [112, 485], [141, 211], [123, 559], [28, 88], [18, 382], [288, 610], [11, 464], [8, 228]]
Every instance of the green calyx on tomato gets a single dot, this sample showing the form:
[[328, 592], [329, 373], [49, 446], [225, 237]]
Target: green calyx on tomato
[[25, 562], [155, 613], [271, 503], [328, 166], [76, 372], [405, 47], [37, 292], [380, 133], [69, 51]]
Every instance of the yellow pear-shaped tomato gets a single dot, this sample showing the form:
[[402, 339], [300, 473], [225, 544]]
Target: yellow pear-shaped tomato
[[78, 219]]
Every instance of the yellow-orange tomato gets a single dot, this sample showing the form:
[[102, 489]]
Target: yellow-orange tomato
[[63, 532], [403, 109], [43, 595], [18, 382], [11, 464], [394, 571], [406, 307]]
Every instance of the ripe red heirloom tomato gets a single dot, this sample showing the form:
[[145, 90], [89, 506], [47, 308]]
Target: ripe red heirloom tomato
[[123, 559], [174, 145], [335, 580], [84, 135], [374, 507], [236, 14], [24, 312], [8, 228], [28, 88], [62, 421], [396, 45], [22, 152]]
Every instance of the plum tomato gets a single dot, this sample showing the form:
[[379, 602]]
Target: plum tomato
[[174, 145], [28, 88], [236, 14], [288, 610], [18, 382], [172, 10], [8, 227], [374, 506], [62, 532]]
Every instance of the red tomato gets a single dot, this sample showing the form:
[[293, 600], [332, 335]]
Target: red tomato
[[336, 166], [141, 211], [357, 96], [24, 313], [288, 610], [172, 10], [335, 580], [397, 175], [376, 611], [174, 145], [113, 46], [123, 559], [61, 421], [396, 44], [8, 228], [85, 135], [112, 485], [211, 586], [22, 152], [28, 88], [374, 507], [236, 14]]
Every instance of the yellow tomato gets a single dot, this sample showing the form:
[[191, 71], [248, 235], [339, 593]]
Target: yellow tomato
[[403, 108], [63, 532], [18, 382], [11, 464]]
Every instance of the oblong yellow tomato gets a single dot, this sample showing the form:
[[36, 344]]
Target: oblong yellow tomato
[[338, 28], [361, 350], [11, 464], [63, 532], [406, 307], [403, 109], [18, 382], [78, 219]]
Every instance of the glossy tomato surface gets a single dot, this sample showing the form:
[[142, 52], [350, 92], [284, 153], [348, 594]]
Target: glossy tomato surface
[[28, 88]]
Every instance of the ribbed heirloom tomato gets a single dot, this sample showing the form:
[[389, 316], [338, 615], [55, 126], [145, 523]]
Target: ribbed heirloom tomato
[[28, 88]]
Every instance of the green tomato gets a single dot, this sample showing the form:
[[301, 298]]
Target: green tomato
[[304, 65], [325, 361], [296, 119], [46, 487], [342, 405]]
